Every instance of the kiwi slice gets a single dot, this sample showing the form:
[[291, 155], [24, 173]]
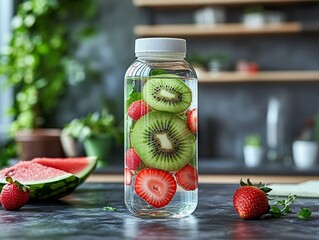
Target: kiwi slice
[[163, 141], [166, 92]]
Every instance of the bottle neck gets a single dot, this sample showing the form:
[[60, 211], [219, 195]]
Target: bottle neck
[[161, 55]]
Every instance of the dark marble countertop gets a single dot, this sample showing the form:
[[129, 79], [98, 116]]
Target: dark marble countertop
[[81, 216]]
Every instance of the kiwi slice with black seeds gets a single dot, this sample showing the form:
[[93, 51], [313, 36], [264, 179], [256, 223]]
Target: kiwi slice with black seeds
[[163, 141], [166, 92]]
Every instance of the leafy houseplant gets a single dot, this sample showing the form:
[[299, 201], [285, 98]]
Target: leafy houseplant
[[253, 140], [98, 131], [253, 150], [38, 61]]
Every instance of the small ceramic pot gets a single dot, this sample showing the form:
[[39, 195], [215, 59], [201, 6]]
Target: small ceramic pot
[[305, 153], [253, 156], [254, 20], [100, 147]]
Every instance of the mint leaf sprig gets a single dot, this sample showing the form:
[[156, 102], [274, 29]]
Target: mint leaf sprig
[[109, 209], [281, 207]]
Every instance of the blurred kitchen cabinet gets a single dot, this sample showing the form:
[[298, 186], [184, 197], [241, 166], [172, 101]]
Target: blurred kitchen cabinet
[[229, 29]]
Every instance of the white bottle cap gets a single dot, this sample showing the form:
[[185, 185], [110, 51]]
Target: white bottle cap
[[160, 45]]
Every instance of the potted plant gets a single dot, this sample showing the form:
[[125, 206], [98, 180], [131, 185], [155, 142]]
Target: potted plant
[[218, 63], [199, 62], [71, 138], [253, 151], [38, 65], [306, 148], [254, 16], [97, 131]]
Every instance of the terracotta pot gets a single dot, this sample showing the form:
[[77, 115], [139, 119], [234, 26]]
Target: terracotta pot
[[39, 143]]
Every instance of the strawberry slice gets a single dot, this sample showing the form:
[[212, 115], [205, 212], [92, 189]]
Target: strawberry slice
[[127, 176], [133, 161], [187, 177], [192, 119], [156, 187]]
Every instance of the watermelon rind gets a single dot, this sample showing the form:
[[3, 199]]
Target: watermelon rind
[[51, 189], [83, 175]]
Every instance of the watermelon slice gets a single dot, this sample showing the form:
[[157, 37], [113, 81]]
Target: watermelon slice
[[80, 167], [44, 182]]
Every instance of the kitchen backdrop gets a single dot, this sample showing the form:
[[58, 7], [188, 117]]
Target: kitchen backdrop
[[228, 111]]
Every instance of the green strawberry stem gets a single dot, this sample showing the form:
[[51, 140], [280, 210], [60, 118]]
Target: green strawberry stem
[[20, 186], [265, 189]]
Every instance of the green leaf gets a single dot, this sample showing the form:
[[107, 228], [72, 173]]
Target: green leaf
[[134, 97], [304, 213], [275, 211], [287, 209], [281, 202], [157, 72], [129, 90], [109, 209], [265, 189]]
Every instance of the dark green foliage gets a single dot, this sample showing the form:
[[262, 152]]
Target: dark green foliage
[[38, 62]]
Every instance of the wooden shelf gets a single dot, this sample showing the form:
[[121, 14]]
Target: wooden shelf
[[192, 30], [200, 3], [267, 76]]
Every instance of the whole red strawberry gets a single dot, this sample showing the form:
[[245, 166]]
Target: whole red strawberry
[[138, 109], [250, 201], [14, 195]]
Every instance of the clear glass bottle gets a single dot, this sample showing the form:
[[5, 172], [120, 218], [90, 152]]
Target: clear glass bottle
[[161, 173]]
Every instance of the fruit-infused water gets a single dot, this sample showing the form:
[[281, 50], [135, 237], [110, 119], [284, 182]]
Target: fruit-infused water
[[161, 178]]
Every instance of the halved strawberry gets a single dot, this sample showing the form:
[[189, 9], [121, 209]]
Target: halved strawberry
[[187, 177], [133, 161], [138, 109], [127, 176], [192, 119], [156, 187]]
